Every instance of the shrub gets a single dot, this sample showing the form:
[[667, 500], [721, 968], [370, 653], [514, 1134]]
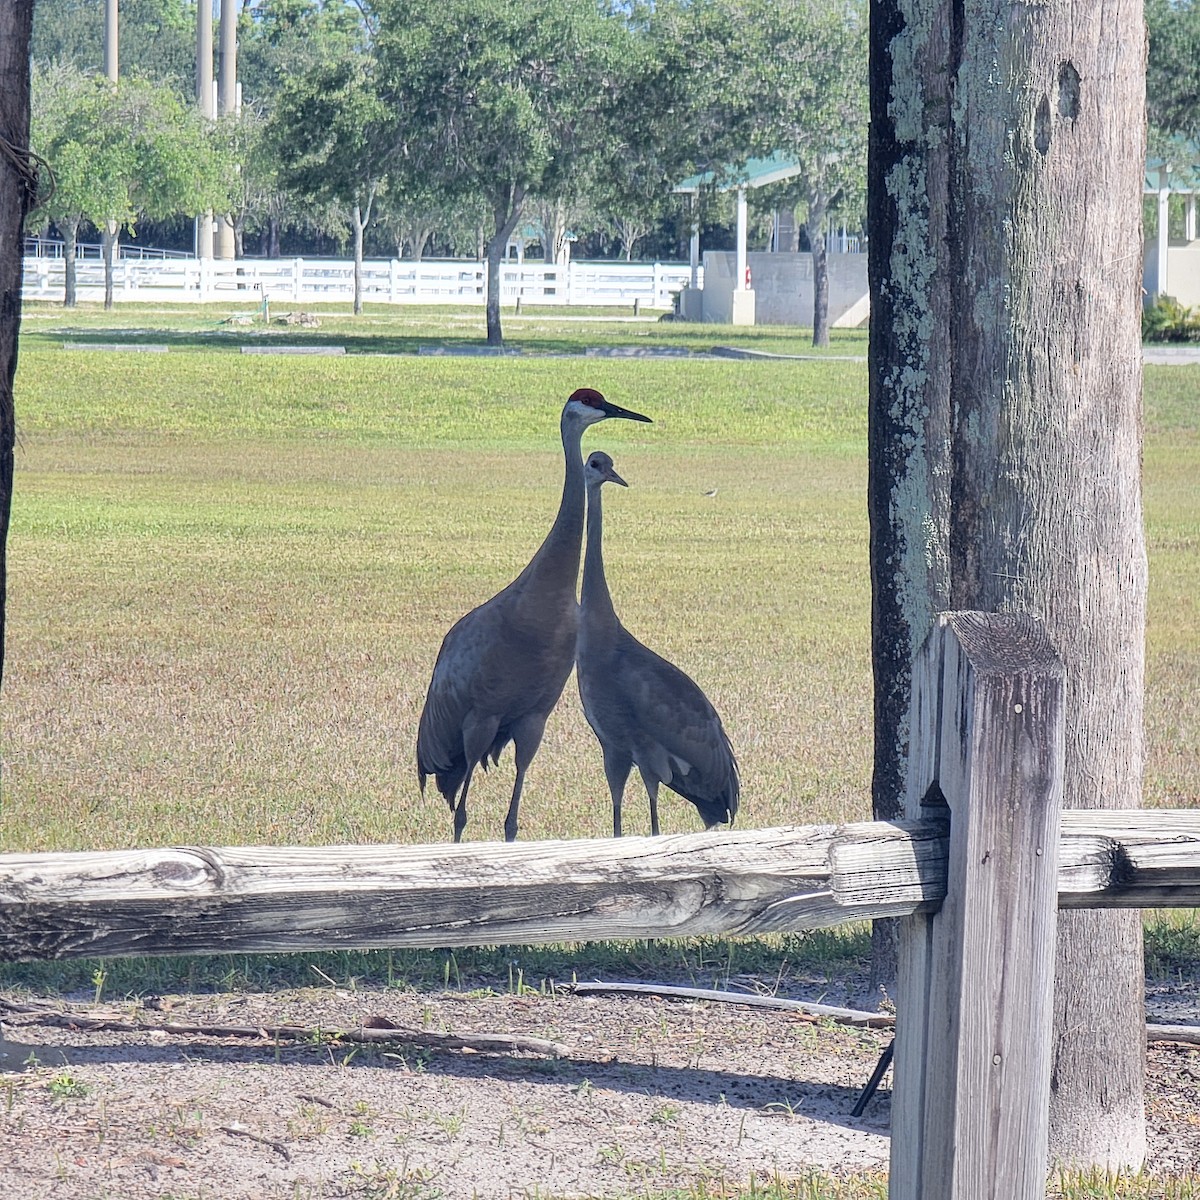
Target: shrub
[[1166, 320]]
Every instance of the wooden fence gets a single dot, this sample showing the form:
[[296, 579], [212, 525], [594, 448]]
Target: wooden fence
[[978, 869]]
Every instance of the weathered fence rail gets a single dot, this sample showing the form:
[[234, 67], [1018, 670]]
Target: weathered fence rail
[[977, 870], [193, 900]]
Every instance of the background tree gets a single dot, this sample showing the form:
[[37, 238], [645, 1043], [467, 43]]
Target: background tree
[[681, 108], [1004, 430], [65, 111], [809, 80], [158, 37], [126, 150], [496, 99], [279, 40], [253, 176], [18, 187], [1173, 69], [333, 134]]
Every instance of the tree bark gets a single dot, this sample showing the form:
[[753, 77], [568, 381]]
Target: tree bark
[[908, 415], [507, 212], [70, 232], [1046, 170], [109, 236], [1005, 268], [360, 218], [18, 187], [359, 226], [814, 226]]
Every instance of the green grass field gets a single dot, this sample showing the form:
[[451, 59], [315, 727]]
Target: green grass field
[[230, 574]]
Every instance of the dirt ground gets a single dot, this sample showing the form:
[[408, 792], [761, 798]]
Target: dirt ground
[[651, 1094]]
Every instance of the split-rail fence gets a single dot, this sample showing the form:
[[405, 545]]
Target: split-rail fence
[[977, 869]]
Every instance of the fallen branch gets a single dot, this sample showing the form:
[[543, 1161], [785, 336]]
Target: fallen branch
[[383, 1032], [1185, 1034], [843, 1016], [242, 1131], [1181, 1034]]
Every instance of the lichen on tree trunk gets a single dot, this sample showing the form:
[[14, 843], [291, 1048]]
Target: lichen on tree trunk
[[909, 400]]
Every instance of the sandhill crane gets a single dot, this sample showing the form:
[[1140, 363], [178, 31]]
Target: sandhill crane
[[503, 666], [644, 710]]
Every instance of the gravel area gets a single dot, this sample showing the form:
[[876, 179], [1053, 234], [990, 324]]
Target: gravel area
[[651, 1094]]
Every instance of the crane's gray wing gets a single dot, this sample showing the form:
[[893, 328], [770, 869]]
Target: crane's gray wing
[[453, 688], [675, 726]]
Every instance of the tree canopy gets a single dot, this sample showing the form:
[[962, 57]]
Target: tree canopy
[[452, 121], [1173, 68]]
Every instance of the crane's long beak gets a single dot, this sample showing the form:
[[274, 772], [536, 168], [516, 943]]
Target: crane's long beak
[[615, 410], [610, 476]]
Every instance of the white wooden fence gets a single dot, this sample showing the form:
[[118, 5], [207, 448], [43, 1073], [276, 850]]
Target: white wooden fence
[[977, 870], [299, 281]]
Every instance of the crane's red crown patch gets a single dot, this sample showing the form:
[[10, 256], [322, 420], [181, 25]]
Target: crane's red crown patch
[[588, 396]]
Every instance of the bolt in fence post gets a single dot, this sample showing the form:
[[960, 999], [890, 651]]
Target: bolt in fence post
[[970, 1107]]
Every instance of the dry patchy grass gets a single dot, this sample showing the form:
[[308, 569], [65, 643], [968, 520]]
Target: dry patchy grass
[[229, 577]]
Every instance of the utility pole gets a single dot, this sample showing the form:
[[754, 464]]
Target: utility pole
[[204, 102], [110, 39], [227, 105]]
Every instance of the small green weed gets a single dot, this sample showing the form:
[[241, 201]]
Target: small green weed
[[65, 1086]]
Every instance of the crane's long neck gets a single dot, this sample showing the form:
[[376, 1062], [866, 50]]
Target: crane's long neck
[[595, 601], [556, 563]]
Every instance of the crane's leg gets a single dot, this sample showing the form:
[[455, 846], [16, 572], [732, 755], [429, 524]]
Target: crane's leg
[[477, 736], [652, 791], [460, 807], [527, 737], [616, 770]]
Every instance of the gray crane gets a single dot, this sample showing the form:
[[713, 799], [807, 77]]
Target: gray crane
[[503, 666], [645, 711]]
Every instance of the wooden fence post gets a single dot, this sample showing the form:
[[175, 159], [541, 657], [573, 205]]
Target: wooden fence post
[[974, 1000]]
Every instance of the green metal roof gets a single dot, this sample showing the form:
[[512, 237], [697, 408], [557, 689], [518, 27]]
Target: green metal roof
[[757, 172]]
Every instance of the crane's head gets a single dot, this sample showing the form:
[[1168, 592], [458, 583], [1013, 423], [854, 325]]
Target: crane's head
[[586, 406], [599, 470]]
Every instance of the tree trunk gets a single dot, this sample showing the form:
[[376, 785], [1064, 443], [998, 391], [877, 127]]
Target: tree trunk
[[108, 251], [507, 213], [1046, 173], [419, 242], [18, 187], [1005, 264], [359, 226], [272, 237], [70, 232], [908, 415], [814, 226]]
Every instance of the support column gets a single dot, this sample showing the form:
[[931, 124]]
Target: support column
[[111, 39], [743, 297], [1160, 250], [694, 242], [739, 270], [1190, 218]]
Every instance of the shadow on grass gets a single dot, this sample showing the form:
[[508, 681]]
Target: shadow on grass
[[543, 333]]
